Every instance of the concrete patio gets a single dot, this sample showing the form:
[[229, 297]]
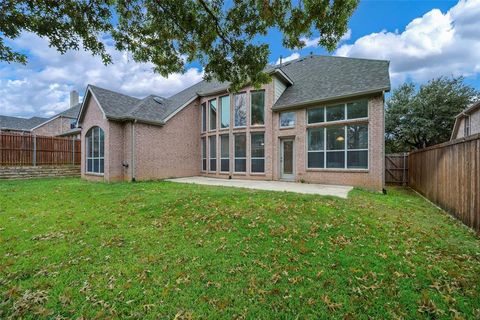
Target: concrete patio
[[307, 188]]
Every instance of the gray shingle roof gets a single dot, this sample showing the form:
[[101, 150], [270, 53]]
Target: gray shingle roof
[[114, 104], [21, 124], [315, 78], [323, 78], [71, 112]]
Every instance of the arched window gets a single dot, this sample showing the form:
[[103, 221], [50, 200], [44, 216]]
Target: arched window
[[95, 150]]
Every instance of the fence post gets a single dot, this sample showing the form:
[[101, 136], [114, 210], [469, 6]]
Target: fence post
[[34, 150], [403, 174], [73, 151]]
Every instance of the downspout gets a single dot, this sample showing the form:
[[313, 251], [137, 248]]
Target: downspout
[[133, 150]]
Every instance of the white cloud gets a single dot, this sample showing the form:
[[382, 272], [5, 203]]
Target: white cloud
[[42, 86], [314, 41], [430, 46], [291, 57]]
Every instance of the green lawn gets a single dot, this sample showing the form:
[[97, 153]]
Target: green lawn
[[70, 248]]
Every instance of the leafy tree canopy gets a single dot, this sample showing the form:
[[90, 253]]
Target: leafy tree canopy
[[223, 37], [420, 118]]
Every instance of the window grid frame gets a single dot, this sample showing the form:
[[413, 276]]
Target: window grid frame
[[91, 154], [210, 155], [264, 107], [210, 115], [257, 158], [228, 149], [235, 158], [233, 109], [204, 154]]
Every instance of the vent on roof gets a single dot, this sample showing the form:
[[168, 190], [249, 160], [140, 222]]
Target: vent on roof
[[158, 100]]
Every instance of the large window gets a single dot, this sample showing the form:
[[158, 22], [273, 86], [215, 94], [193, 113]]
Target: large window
[[316, 148], [338, 147], [335, 147], [258, 152], [213, 114], [240, 109], [345, 111], [95, 150], [224, 153], [204, 154], [257, 111], [287, 119], [240, 152], [212, 140], [225, 112], [357, 146], [204, 117]]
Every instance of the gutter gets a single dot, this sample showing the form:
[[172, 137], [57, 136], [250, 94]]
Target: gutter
[[133, 150]]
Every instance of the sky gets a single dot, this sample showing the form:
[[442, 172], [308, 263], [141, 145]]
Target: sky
[[421, 39]]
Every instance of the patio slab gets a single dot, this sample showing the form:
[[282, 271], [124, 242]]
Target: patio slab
[[307, 188]]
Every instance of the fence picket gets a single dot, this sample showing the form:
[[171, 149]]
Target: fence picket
[[25, 150]]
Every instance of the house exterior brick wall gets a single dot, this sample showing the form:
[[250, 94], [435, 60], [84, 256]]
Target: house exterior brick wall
[[371, 178], [54, 127], [169, 151], [174, 150]]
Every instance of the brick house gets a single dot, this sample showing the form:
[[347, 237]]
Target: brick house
[[320, 119], [467, 122], [62, 124]]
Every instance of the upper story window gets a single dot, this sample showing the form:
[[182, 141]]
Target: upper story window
[[73, 122], [225, 112], [95, 150], [345, 111], [466, 128], [204, 117], [287, 119], [213, 114], [257, 111], [240, 109]]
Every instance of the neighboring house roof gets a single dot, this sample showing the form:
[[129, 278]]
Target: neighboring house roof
[[325, 78], [458, 118], [71, 113], [310, 79], [19, 124]]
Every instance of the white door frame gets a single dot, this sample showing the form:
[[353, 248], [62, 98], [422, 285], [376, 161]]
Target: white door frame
[[288, 176]]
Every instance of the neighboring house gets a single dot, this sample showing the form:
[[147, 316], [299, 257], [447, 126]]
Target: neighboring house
[[19, 125], [62, 124], [467, 122], [320, 120]]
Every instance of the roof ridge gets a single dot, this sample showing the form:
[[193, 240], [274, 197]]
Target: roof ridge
[[116, 92]]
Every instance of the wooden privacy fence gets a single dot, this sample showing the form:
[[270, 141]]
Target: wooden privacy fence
[[449, 175], [396, 168], [28, 150]]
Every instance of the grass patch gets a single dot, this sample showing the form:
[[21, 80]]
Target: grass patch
[[71, 248]]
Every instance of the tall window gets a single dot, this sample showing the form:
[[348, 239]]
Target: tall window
[[466, 127], [240, 109], [224, 153], [213, 114], [204, 154], [258, 152], [204, 117], [225, 112], [213, 153], [287, 119], [316, 148], [240, 152], [357, 146], [257, 111], [95, 150], [335, 147]]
